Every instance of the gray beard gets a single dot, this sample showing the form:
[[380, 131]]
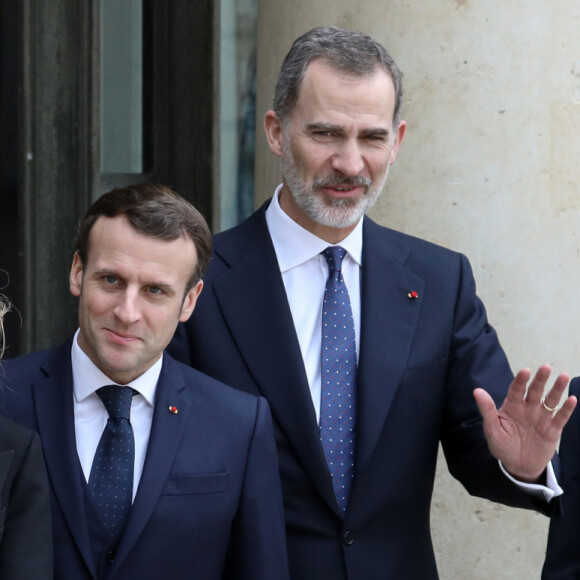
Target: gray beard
[[334, 213]]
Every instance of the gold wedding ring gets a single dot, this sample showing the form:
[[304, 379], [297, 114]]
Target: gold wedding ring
[[550, 409]]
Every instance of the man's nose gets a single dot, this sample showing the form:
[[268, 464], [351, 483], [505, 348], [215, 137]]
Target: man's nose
[[348, 159], [127, 309]]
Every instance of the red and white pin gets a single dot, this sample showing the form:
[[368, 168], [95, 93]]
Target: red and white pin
[[173, 409], [413, 294]]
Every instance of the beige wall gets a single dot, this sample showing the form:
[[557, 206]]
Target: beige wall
[[489, 167]]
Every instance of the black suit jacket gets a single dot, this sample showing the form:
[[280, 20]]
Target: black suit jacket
[[208, 504], [25, 531], [563, 553], [420, 359]]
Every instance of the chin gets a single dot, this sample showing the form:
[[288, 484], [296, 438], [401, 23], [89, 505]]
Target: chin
[[337, 220], [338, 213]]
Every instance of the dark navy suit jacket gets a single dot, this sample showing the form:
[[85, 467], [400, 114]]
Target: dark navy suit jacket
[[25, 531], [208, 504], [420, 359], [563, 554]]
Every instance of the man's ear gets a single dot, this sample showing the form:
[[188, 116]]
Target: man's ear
[[190, 301], [399, 136], [274, 132], [76, 276]]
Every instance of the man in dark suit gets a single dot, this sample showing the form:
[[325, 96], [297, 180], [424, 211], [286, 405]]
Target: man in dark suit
[[563, 553], [156, 470], [357, 475]]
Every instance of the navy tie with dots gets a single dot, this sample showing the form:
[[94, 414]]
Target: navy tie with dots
[[111, 478], [338, 395]]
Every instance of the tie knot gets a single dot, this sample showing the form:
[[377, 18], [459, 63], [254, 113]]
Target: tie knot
[[117, 400], [334, 256]]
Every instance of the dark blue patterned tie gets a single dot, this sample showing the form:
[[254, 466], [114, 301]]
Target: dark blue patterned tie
[[111, 479], [338, 396]]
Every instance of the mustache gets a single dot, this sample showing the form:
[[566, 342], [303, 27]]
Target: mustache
[[339, 181]]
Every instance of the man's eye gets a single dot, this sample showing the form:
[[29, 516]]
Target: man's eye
[[110, 279], [155, 290]]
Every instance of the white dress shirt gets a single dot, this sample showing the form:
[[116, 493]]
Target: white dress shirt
[[91, 416], [304, 272]]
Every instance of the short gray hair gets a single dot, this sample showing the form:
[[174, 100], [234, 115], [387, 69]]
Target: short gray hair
[[349, 52]]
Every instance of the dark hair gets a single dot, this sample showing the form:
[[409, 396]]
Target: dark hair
[[349, 52], [153, 210]]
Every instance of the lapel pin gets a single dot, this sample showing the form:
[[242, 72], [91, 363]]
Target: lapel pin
[[413, 294], [173, 409]]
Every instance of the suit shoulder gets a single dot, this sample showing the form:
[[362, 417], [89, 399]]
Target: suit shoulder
[[24, 367], [387, 235], [252, 229], [211, 387], [427, 259]]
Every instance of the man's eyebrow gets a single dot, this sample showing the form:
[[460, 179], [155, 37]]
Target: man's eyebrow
[[106, 272], [338, 129], [166, 287], [157, 284], [376, 131], [324, 127]]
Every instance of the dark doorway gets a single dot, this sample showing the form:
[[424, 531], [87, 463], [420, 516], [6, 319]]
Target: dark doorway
[[10, 234], [51, 163]]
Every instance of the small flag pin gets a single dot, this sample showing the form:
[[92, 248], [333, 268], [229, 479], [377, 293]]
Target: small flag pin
[[173, 409], [413, 294]]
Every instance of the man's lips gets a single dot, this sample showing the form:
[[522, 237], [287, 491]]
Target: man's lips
[[120, 337], [343, 190]]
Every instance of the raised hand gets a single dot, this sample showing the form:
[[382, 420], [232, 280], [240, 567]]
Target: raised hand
[[524, 431]]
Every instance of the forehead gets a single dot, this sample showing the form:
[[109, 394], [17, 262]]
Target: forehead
[[326, 92], [114, 244]]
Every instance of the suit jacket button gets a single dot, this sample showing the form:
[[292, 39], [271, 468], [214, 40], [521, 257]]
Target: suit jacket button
[[110, 557], [348, 538]]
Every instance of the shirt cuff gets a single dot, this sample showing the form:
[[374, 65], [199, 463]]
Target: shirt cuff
[[546, 492]]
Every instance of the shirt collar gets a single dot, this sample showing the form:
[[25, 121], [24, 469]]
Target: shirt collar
[[295, 245], [87, 378]]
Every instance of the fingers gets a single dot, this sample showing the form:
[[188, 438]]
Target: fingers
[[538, 385], [563, 414], [536, 396], [553, 397], [517, 389], [485, 404]]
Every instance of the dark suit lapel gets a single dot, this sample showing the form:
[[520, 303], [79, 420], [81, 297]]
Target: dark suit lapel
[[388, 322], [253, 300], [167, 430], [53, 400]]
